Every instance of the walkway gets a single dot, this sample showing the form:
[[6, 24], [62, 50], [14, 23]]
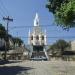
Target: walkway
[[38, 68]]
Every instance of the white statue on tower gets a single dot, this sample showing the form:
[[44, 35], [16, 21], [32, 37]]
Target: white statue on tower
[[36, 20]]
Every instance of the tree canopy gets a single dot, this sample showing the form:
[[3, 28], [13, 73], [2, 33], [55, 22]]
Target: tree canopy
[[2, 31], [64, 12], [59, 46], [17, 40]]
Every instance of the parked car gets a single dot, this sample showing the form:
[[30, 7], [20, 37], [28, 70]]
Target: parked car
[[39, 58]]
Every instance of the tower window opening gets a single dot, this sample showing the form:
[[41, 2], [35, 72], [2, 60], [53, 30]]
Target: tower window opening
[[43, 44], [42, 37], [31, 37], [37, 37]]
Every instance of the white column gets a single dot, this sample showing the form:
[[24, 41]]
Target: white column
[[29, 37], [40, 39], [34, 39], [45, 38]]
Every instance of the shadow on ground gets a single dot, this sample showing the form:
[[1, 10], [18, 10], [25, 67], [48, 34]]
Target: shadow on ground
[[2, 62], [13, 70]]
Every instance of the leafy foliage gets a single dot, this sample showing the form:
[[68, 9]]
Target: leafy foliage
[[17, 40], [59, 47], [64, 11], [2, 31]]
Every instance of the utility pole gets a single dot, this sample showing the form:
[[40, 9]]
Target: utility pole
[[8, 19]]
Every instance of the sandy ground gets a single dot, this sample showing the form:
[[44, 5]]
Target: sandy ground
[[38, 68]]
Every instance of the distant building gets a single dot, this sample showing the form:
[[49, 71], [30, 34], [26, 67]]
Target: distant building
[[69, 54], [73, 45], [19, 53], [37, 39]]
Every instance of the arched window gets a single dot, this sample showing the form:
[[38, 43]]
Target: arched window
[[42, 37], [42, 43], [37, 37], [31, 37]]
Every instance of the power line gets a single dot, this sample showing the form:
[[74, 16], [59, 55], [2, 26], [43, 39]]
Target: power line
[[2, 12], [47, 27], [4, 7], [8, 19], [42, 26], [53, 37], [25, 26]]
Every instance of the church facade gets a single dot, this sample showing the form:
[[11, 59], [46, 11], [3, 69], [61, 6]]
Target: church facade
[[37, 39]]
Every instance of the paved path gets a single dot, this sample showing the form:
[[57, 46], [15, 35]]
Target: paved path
[[38, 68]]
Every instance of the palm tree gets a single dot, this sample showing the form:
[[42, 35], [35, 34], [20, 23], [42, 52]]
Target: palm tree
[[2, 31], [18, 41]]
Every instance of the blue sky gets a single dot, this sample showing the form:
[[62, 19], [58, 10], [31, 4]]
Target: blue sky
[[23, 13]]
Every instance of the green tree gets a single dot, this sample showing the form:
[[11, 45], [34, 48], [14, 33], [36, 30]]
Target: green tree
[[18, 41], [5, 36], [2, 31], [59, 47], [64, 12]]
